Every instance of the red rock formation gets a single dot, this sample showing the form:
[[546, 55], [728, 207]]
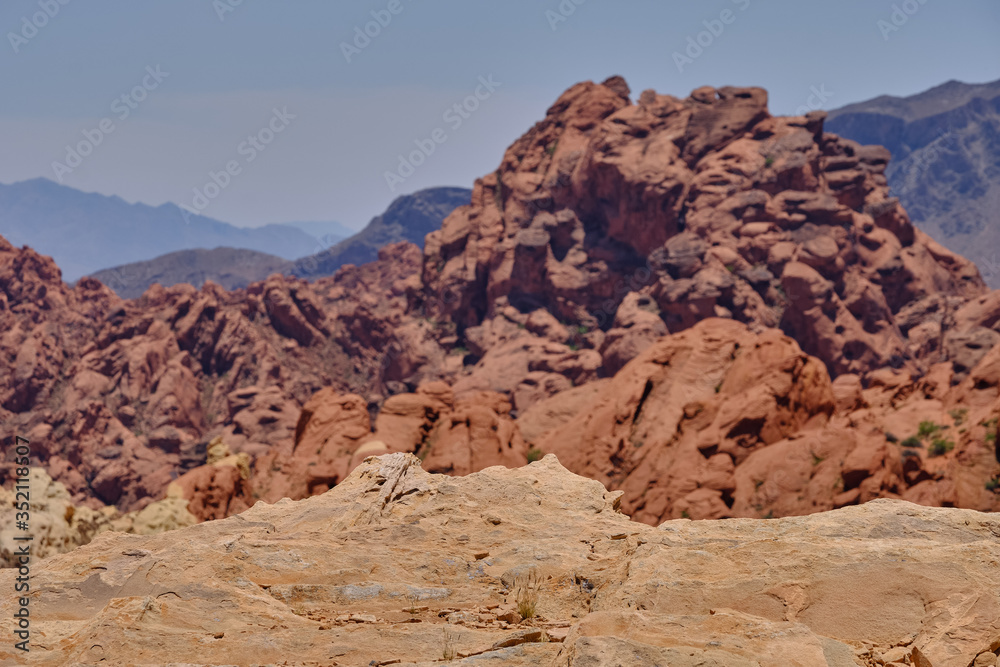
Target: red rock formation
[[703, 207], [214, 492], [720, 422], [606, 226], [120, 397], [334, 436]]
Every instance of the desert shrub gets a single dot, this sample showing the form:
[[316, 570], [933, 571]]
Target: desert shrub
[[534, 454], [991, 430], [940, 446], [927, 429]]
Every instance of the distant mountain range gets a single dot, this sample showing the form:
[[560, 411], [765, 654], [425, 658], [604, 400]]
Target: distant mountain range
[[85, 232], [408, 218], [232, 268], [328, 233], [945, 166]]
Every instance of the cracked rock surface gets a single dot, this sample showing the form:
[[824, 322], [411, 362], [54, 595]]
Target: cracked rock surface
[[396, 565]]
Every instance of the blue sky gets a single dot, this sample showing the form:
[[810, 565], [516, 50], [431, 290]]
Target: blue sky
[[345, 124]]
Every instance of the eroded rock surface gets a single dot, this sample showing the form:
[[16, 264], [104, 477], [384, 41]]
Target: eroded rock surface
[[607, 227], [58, 526], [120, 398], [334, 435], [396, 564], [718, 421], [699, 207]]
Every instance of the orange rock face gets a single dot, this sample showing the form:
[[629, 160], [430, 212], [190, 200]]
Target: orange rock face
[[720, 422], [532, 566], [120, 397], [717, 311], [704, 207], [334, 436]]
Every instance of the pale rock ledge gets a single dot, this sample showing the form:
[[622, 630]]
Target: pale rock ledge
[[399, 566]]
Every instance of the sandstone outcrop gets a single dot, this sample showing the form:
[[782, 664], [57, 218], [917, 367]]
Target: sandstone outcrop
[[701, 207], [334, 435], [718, 421], [58, 526], [120, 398], [608, 225], [399, 566]]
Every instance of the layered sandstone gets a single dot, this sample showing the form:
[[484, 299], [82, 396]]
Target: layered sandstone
[[718, 421], [676, 210], [334, 435], [607, 226], [120, 398], [399, 566], [713, 422]]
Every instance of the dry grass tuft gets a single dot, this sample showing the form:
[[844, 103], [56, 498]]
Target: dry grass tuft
[[526, 593], [449, 652]]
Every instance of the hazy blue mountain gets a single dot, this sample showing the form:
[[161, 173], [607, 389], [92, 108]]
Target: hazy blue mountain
[[408, 218], [945, 166], [328, 233], [85, 232], [232, 268]]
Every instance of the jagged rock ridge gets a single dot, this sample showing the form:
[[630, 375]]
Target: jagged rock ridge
[[701, 207]]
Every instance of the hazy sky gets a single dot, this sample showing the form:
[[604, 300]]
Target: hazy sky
[[226, 67]]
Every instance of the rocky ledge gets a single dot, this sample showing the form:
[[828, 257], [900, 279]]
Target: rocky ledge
[[527, 566]]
